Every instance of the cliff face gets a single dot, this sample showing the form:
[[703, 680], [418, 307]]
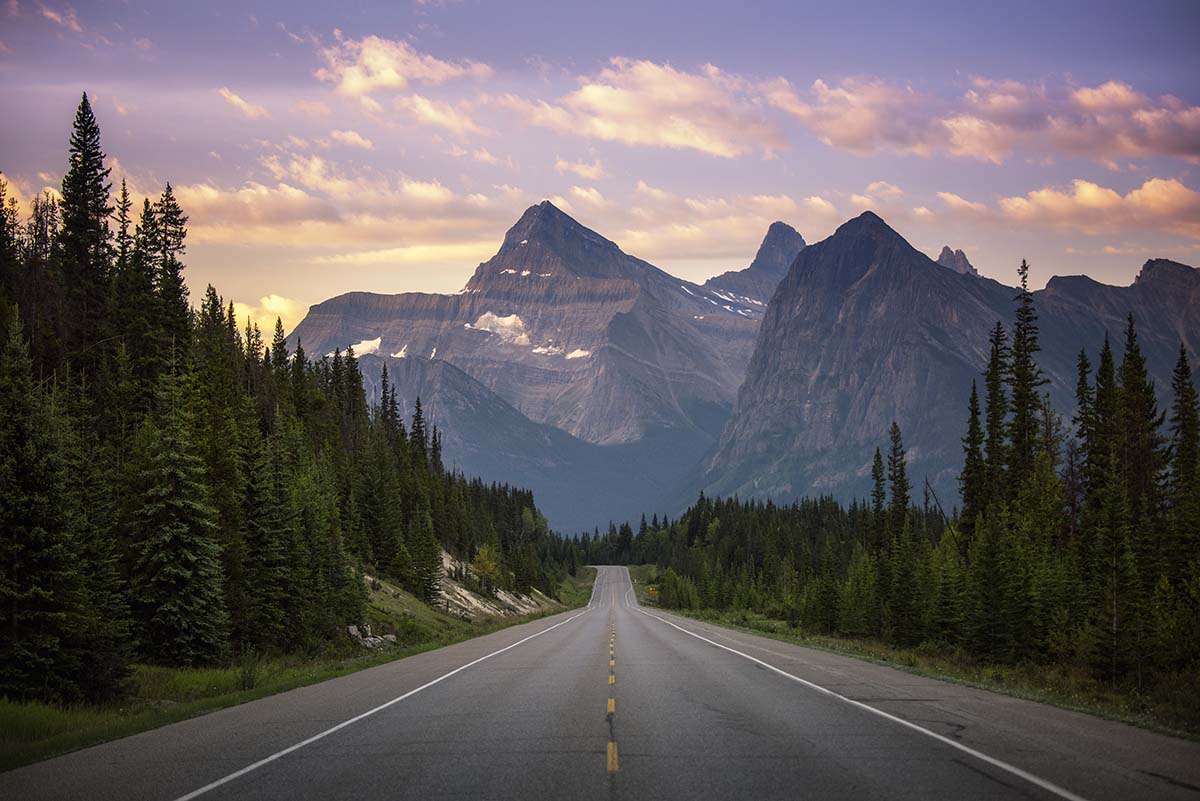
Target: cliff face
[[956, 260], [569, 330], [757, 282], [865, 330]]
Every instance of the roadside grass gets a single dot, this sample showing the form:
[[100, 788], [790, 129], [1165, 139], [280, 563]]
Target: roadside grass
[[1172, 707], [32, 731]]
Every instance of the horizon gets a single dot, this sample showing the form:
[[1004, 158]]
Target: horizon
[[387, 150]]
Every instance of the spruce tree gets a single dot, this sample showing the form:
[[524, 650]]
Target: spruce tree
[[83, 245], [1024, 378], [878, 506], [177, 579], [898, 481], [176, 312], [995, 427], [1184, 487], [41, 589], [425, 551], [972, 481]]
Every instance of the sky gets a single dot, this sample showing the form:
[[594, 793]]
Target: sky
[[320, 148]]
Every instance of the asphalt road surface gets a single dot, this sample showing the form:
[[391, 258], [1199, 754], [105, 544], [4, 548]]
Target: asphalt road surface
[[618, 701]]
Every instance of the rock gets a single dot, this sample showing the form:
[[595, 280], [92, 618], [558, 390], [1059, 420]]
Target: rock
[[775, 255], [956, 260], [390, 638], [865, 330], [353, 631]]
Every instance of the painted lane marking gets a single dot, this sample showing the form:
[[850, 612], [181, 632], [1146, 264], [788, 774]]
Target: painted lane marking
[[1037, 781], [613, 764], [277, 755], [612, 679], [612, 706]]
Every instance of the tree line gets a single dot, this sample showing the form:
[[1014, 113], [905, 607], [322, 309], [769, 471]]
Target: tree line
[[1077, 541], [173, 488]]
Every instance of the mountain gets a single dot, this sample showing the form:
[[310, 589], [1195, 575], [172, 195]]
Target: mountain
[[956, 260], [865, 330], [756, 284], [574, 336]]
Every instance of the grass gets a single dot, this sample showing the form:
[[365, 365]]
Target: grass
[[1172, 708], [32, 731]]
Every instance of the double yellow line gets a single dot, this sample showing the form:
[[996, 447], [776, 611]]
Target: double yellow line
[[613, 762]]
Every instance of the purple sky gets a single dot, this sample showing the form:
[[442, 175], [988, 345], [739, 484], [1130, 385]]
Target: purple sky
[[388, 146]]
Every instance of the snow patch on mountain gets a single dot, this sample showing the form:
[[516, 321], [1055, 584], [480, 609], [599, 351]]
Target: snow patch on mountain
[[579, 353], [510, 328], [367, 346]]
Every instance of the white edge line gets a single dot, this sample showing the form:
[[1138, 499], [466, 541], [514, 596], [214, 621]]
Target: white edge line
[[1013, 769], [266, 760]]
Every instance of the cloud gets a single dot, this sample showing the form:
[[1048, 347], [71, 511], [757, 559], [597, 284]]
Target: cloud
[[454, 118], [269, 308], [992, 119], [312, 108], [1164, 205], [67, 18], [352, 139], [361, 66], [593, 171], [959, 204], [860, 115], [249, 110], [455, 253], [640, 102]]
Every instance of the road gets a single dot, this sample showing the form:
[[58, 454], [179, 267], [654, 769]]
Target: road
[[618, 701]]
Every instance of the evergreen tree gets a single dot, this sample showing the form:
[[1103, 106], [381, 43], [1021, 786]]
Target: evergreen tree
[[879, 525], [1024, 377], [83, 245], [1184, 487], [41, 590], [995, 427], [972, 481], [425, 552], [177, 580], [170, 231], [898, 481]]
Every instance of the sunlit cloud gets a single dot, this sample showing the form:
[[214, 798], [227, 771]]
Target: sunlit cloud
[[454, 118], [249, 110], [1158, 204], [267, 310], [593, 171], [66, 18], [359, 67], [352, 139], [992, 119], [639, 102], [312, 108]]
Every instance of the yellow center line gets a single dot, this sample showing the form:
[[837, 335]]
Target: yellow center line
[[612, 663], [612, 757], [612, 705], [612, 679]]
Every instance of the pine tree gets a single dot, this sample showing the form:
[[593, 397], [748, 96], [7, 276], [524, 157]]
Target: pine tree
[[41, 590], [176, 312], [1184, 487], [898, 480], [879, 523], [83, 245], [425, 551], [972, 481], [266, 575], [995, 427], [419, 437], [177, 580], [1141, 443], [1024, 378]]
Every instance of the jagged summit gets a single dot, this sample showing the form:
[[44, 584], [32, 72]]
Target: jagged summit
[[757, 282], [956, 260], [548, 225], [1165, 269]]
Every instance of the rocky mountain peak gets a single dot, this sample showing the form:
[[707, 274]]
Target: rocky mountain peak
[[956, 260], [1166, 271], [778, 250]]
